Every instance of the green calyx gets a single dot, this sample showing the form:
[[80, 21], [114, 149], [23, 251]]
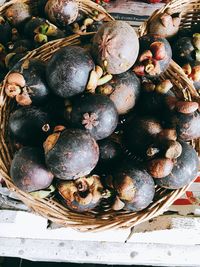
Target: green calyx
[[41, 38]]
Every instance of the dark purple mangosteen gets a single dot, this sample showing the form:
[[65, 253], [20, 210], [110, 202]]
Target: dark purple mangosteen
[[29, 125], [68, 71], [71, 154], [96, 114], [28, 170], [26, 83]]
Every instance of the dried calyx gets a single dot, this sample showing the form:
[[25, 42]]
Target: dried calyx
[[16, 87], [97, 78], [149, 60], [53, 138]]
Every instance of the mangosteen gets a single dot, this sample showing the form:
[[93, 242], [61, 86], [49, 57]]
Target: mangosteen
[[134, 186], [62, 12], [68, 71], [71, 154], [29, 125], [123, 90], [187, 125], [166, 25], [94, 113], [18, 13], [26, 83], [153, 103], [186, 49], [81, 195], [154, 56], [115, 46], [140, 134], [5, 31], [28, 170], [184, 171], [55, 107], [110, 154]]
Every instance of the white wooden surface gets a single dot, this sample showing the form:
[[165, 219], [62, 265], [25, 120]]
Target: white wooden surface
[[169, 240]]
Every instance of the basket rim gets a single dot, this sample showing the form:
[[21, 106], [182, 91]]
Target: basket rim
[[56, 212]]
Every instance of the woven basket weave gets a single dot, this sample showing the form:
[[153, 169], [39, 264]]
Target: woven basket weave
[[96, 220]]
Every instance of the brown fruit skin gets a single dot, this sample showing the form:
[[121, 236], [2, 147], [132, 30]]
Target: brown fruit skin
[[125, 91], [159, 168], [84, 199], [116, 43], [186, 107], [28, 170], [62, 12], [72, 155], [185, 169], [134, 186], [168, 31], [187, 125], [18, 13]]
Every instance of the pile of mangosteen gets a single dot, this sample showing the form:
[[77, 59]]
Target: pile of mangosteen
[[95, 122], [25, 26]]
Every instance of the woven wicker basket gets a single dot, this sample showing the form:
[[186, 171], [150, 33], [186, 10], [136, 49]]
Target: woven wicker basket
[[96, 221]]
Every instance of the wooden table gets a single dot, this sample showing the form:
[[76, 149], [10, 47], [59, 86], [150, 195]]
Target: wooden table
[[169, 240]]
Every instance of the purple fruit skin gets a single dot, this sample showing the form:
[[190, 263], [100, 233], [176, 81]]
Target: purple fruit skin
[[74, 155], [28, 170]]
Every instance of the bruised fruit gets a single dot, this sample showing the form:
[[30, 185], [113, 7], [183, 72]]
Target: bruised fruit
[[81, 195], [165, 25], [62, 12], [187, 125], [26, 83], [123, 90], [68, 71], [134, 187], [28, 170], [115, 47], [96, 114], [18, 13], [71, 154], [140, 134], [29, 125], [154, 56], [184, 171]]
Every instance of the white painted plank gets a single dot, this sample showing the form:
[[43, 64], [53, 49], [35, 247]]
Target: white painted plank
[[168, 229], [101, 252]]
